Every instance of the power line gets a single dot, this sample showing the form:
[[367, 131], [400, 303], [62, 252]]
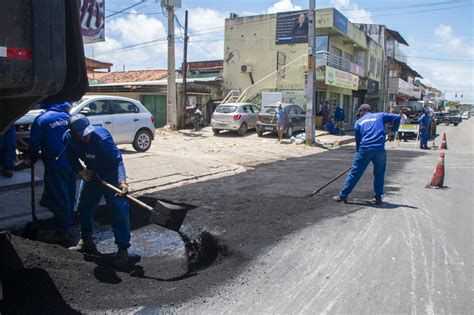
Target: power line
[[123, 10], [442, 59], [421, 11]]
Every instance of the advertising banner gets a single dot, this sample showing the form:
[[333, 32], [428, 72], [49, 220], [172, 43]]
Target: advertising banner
[[340, 21], [92, 17], [341, 79], [292, 28]]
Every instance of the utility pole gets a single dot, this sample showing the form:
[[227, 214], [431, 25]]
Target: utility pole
[[184, 67], [311, 75], [171, 94]]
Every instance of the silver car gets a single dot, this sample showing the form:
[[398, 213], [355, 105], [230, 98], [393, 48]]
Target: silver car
[[238, 117]]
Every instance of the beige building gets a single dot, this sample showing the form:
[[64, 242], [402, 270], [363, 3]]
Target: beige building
[[269, 53]]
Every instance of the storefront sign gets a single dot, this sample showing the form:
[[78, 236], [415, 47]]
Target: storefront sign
[[341, 79], [292, 27], [92, 17], [340, 21]]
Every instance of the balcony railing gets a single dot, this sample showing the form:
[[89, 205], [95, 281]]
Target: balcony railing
[[324, 58], [399, 86], [397, 53]]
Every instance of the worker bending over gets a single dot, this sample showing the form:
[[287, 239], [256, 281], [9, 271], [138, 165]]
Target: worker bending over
[[95, 147], [370, 143]]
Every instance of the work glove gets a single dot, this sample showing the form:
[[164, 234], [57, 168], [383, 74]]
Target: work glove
[[124, 188], [87, 175]]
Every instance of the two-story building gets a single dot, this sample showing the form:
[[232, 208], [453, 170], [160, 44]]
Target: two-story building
[[398, 78], [270, 53]]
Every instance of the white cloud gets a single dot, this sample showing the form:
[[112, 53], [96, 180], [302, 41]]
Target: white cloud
[[446, 34], [130, 30], [282, 6], [353, 12]]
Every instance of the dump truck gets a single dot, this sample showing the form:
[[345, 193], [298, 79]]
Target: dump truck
[[41, 55]]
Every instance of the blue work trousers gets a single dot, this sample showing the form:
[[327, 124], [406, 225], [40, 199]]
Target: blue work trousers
[[60, 185], [8, 148], [359, 164], [90, 194], [424, 139]]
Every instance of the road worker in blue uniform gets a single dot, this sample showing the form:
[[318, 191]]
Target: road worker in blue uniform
[[95, 147], [424, 121], [8, 152], [59, 196], [370, 138], [332, 128]]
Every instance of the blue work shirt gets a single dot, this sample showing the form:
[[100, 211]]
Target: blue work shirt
[[47, 134], [424, 121], [370, 131], [281, 115], [100, 154], [339, 114]]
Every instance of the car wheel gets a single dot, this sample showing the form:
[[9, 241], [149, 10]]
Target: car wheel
[[216, 131], [259, 132], [142, 141], [243, 130], [289, 132]]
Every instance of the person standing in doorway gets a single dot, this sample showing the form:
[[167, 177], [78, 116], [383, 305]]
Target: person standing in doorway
[[340, 116]]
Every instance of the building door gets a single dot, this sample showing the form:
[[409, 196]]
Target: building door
[[156, 104], [356, 102]]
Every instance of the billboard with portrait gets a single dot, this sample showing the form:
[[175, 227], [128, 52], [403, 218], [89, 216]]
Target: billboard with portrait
[[292, 28], [92, 17]]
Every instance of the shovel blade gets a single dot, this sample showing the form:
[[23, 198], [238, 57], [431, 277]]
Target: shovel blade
[[169, 214]]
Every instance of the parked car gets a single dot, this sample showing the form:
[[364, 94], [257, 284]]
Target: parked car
[[238, 117], [466, 115], [127, 120], [452, 118], [296, 119], [439, 117]]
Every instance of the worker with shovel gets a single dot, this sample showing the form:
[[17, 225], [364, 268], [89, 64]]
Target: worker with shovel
[[95, 147], [370, 143], [46, 136]]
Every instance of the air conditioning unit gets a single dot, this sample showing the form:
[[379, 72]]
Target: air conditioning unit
[[246, 68]]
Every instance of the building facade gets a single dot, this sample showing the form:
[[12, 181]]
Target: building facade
[[268, 52]]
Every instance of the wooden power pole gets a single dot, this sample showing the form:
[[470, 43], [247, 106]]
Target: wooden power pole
[[171, 95], [310, 99]]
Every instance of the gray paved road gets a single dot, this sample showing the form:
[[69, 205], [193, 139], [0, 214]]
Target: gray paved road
[[413, 256]]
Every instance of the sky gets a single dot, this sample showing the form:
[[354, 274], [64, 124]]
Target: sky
[[440, 33]]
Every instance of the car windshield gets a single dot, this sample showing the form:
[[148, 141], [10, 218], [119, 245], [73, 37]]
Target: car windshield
[[269, 110], [80, 101], [226, 109]]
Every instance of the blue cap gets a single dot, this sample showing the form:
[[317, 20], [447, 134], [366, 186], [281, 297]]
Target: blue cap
[[80, 125]]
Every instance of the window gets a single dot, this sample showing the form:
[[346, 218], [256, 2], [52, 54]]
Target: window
[[247, 109], [348, 56], [322, 43], [292, 110], [96, 108], [124, 107], [255, 109], [224, 109], [336, 51]]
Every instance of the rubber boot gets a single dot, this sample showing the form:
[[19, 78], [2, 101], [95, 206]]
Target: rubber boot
[[339, 199], [63, 239], [121, 258], [376, 201], [85, 245]]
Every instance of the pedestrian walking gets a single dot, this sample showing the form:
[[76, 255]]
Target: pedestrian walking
[[8, 152], [281, 117], [95, 147], [370, 144], [424, 121], [340, 116], [47, 132]]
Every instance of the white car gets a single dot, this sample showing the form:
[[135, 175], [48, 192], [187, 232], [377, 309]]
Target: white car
[[466, 115], [127, 120]]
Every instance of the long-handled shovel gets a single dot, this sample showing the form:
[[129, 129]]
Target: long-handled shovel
[[332, 181], [167, 214], [32, 228]]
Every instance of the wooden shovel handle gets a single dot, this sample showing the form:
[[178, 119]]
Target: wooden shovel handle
[[131, 198]]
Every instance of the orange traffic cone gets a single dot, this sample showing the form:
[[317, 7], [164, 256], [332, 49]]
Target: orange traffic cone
[[437, 181], [444, 143]]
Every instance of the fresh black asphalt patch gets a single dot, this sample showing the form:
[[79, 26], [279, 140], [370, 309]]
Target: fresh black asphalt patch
[[239, 217]]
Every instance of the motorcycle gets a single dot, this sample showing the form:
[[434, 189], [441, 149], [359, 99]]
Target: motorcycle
[[198, 120]]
